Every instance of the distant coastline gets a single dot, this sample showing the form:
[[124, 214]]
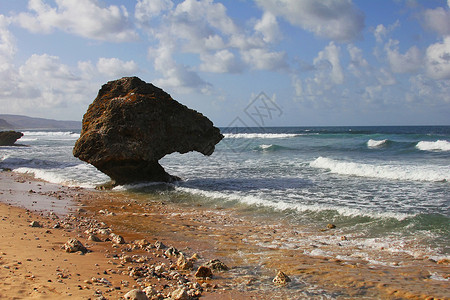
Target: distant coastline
[[24, 122]]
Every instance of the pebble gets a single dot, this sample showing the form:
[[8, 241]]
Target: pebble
[[217, 265], [180, 294], [203, 272], [136, 294], [74, 245], [281, 279], [35, 224]]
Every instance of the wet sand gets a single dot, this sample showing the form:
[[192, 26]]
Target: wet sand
[[33, 265]]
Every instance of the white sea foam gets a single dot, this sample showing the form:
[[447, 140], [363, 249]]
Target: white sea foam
[[60, 176], [439, 145], [265, 147], [258, 200], [260, 135], [376, 143], [54, 134], [398, 172]]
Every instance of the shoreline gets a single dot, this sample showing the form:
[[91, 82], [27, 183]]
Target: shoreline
[[252, 250]]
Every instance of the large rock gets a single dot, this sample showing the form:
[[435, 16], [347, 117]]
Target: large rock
[[132, 124], [8, 138]]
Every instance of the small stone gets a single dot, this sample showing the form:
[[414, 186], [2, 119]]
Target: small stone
[[180, 294], [172, 252], [74, 245], [141, 243], [444, 261], [117, 239], [94, 238], [35, 224], [281, 279], [136, 295], [203, 272], [344, 238], [217, 265], [331, 226], [159, 245], [194, 257], [150, 291], [183, 263]]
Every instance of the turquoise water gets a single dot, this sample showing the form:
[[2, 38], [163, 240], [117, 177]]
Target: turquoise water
[[386, 185]]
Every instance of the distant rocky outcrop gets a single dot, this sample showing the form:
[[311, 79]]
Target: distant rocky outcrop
[[8, 138], [132, 124]]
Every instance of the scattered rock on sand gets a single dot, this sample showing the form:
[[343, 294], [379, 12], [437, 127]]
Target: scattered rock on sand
[[183, 263], [444, 261], [94, 238], [136, 295], [281, 279], [172, 252], [117, 239], [35, 224], [74, 245], [331, 226], [203, 272], [217, 265], [159, 245], [180, 294], [150, 291]]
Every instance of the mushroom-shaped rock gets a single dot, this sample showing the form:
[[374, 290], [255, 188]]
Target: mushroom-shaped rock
[[133, 124], [8, 138]]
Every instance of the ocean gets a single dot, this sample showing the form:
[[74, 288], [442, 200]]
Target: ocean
[[384, 187]]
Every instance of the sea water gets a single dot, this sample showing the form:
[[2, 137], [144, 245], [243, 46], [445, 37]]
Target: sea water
[[388, 186]]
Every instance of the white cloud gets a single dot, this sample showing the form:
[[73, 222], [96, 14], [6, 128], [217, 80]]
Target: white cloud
[[261, 59], [438, 59], [223, 61], [381, 31], [409, 62], [7, 41], [86, 18], [201, 12], [298, 86], [8, 49], [55, 82], [268, 27], [438, 20], [338, 20], [202, 29], [175, 75], [358, 64], [147, 9], [116, 68], [384, 77], [329, 57]]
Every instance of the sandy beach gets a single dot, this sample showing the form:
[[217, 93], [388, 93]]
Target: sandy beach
[[34, 265]]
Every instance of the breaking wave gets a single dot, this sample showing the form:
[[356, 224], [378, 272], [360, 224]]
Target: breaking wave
[[440, 145], [61, 134], [376, 143], [397, 172], [260, 135]]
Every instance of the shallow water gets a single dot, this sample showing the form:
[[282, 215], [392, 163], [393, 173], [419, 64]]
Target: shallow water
[[383, 187]]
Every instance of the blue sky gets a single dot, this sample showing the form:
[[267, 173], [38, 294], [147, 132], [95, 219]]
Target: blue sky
[[338, 62]]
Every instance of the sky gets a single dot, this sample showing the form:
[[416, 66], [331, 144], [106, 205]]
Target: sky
[[239, 62]]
